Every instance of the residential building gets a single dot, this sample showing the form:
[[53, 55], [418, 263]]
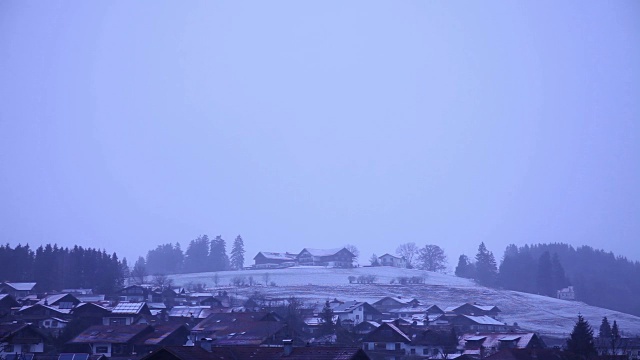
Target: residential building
[[340, 257], [390, 260]]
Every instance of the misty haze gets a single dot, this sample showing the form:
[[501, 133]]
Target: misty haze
[[319, 180]]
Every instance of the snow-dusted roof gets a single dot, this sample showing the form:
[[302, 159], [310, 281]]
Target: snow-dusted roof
[[323, 252], [22, 286], [277, 256], [389, 255], [484, 320], [490, 340], [347, 307], [51, 299]]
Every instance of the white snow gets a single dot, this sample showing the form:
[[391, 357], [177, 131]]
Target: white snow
[[548, 316]]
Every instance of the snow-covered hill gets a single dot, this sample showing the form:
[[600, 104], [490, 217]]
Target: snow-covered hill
[[548, 316]]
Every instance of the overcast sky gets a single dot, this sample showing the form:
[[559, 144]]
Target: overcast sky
[[125, 125]]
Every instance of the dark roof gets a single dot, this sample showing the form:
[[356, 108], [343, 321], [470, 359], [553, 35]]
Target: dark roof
[[532, 354], [163, 331], [257, 352], [115, 334], [7, 330]]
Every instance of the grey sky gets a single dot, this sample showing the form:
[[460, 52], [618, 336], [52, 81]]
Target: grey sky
[[125, 125]]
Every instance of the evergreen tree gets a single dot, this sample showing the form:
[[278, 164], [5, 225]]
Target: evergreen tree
[[616, 340], [580, 341], [486, 267], [544, 280], [558, 276], [465, 268], [196, 258], [237, 254], [605, 329], [139, 271], [374, 260], [218, 258], [326, 318]]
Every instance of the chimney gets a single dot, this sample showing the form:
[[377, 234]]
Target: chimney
[[287, 345]]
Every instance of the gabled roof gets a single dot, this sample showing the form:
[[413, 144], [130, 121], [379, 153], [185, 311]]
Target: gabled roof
[[21, 286], [398, 300], [493, 340], [161, 332], [27, 309], [484, 320], [485, 308], [393, 256], [55, 298], [387, 332], [114, 334], [324, 252], [276, 255]]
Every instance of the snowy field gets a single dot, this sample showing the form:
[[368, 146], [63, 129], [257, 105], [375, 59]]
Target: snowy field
[[545, 315]]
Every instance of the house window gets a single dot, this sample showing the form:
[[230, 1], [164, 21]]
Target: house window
[[425, 351], [102, 349], [26, 348], [357, 317], [397, 346], [413, 351], [8, 348]]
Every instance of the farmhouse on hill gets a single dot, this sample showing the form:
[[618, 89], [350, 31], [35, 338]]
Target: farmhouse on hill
[[340, 257]]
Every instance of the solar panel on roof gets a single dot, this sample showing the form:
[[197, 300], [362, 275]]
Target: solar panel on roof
[[81, 357], [19, 357]]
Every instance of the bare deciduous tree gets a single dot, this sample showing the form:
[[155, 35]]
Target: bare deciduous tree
[[408, 251]]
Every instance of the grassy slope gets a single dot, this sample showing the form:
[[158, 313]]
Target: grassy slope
[[548, 316]]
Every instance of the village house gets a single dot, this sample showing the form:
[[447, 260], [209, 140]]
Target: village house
[[421, 314], [566, 294], [340, 257], [135, 293], [20, 338], [352, 313], [485, 344], [127, 340], [286, 351], [395, 340], [18, 290], [387, 303], [266, 259], [390, 260], [474, 309], [241, 328], [468, 323], [126, 313]]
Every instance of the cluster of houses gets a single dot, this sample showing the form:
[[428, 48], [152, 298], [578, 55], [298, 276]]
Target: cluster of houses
[[139, 322], [339, 257]]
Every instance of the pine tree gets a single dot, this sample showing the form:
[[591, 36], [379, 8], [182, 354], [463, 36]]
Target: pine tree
[[218, 258], [374, 260], [558, 276], [139, 271], [580, 341], [197, 255], [326, 317], [237, 254], [544, 280], [486, 267], [605, 329], [465, 268]]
